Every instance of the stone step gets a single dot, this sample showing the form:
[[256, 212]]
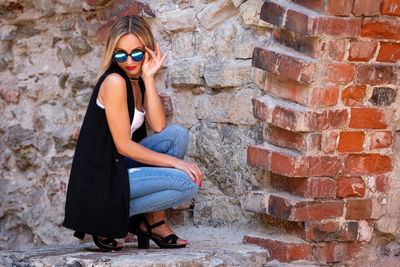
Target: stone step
[[291, 163], [288, 250], [292, 208], [298, 18], [208, 247], [281, 246], [284, 61], [315, 231], [297, 118]]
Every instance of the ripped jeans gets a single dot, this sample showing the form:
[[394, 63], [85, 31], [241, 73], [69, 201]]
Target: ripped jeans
[[157, 188]]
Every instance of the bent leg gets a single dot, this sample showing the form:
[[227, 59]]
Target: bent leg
[[173, 141], [153, 189]]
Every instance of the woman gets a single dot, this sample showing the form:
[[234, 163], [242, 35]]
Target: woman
[[120, 178]]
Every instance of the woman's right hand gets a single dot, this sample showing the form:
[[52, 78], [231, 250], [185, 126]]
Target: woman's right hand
[[191, 169]]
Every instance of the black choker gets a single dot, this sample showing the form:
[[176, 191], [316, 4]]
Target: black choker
[[133, 79]]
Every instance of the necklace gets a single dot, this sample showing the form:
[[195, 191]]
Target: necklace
[[133, 79]]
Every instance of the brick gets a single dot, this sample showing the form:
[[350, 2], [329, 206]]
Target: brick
[[353, 96], [292, 117], [296, 210], [310, 187], [293, 164], [326, 120], [272, 13], [258, 156], [167, 103], [317, 210], [350, 187], [286, 88], [10, 95], [307, 45], [339, 26], [383, 96], [368, 164], [330, 231], [261, 110], [324, 96], [330, 142], [369, 118], [336, 49], [351, 141], [285, 138], [264, 59], [338, 7], [381, 29], [389, 52], [382, 183], [282, 251], [295, 68], [390, 7], [381, 139], [317, 5], [299, 22], [362, 50], [338, 73], [137, 8], [358, 209], [336, 252], [102, 31], [303, 166], [366, 7]]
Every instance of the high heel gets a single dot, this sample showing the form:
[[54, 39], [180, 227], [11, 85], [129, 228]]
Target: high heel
[[166, 242], [104, 243]]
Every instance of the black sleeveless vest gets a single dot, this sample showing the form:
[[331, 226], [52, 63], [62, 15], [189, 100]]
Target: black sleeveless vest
[[98, 190]]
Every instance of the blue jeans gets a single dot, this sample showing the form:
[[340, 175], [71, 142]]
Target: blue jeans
[[157, 188]]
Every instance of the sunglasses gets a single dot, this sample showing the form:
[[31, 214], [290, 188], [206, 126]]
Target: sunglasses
[[121, 57]]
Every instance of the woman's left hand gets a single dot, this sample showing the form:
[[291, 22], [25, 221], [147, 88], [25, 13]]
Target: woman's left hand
[[152, 65]]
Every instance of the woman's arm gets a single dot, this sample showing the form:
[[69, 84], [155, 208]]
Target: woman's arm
[[155, 115], [113, 95]]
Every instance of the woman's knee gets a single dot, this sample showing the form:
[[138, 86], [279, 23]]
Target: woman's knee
[[177, 131]]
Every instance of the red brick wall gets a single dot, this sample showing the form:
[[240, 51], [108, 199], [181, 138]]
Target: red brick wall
[[332, 80]]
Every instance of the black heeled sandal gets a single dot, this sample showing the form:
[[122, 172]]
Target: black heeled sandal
[[101, 243], [105, 243], [166, 242]]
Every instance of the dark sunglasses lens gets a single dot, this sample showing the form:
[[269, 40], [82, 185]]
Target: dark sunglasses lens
[[137, 56], [120, 57]]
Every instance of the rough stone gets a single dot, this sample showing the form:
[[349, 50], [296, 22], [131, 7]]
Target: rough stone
[[179, 20], [44, 6], [25, 31], [67, 56], [18, 137], [225, 74], [250, 13], [79, 45], [27, 157], [216, 13], [186, 72]]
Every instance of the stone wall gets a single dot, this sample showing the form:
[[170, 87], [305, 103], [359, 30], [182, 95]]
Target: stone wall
[[50, 51]]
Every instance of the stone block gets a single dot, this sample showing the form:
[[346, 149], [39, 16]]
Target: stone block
[[186, 72], [216, 13], [79, 45], [227, 74], [18, 137], [180, 20]]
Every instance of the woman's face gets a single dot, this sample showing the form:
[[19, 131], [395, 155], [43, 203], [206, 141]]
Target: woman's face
[[129, 43]]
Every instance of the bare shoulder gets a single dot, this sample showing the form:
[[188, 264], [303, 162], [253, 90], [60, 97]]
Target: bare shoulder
[[114, 81]]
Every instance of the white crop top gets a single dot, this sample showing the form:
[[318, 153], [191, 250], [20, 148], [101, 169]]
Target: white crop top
[[138, 117]]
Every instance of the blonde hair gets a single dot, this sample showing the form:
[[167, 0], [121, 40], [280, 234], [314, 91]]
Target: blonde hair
[[128, 24]]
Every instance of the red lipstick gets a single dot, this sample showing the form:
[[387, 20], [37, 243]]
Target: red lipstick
[[131, 68]]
